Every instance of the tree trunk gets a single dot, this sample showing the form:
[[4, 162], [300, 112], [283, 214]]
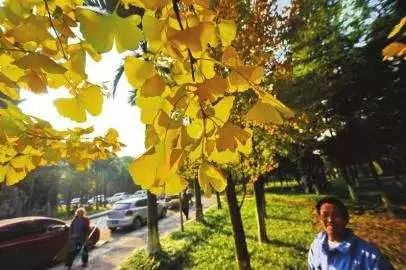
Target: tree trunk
[[386, 201], [181, 212], [242, 256], [153, 245], [218, 200], [198, 198], [260, 207], [350, 186]]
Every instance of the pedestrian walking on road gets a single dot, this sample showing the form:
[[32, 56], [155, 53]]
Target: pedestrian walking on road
[[185, 203], [79, 232]]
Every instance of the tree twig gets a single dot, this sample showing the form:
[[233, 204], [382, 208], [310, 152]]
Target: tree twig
[[53, 27], [192, 59]]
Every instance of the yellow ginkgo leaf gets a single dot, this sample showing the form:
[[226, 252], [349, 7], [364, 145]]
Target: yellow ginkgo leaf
[[154, 33], [9, 88], [9, 70], [195, 38], [227, 30], [151, 106], [138, 71], [153, 86], [230, 57], [71, 108], [111, 136], [282, 108], [89, 99], [39, 63], [35, 82], [13, 175], [395, 49], [204, 68], [210, 177], [149, 4], [229, 136], [224, 157], [222, 110], [242, 78], [211, 89], [3, 172], [156, 169], [34, 28], [397, 28], [92, 99], [264, 113], [101, 30]]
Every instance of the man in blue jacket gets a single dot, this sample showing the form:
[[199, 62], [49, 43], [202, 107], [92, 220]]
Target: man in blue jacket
[[337, 247]]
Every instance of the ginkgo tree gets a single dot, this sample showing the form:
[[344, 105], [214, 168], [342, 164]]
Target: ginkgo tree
[[44, 44], [35, 54], [188, 112]]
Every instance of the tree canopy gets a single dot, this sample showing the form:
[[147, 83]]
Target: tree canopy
[[44, 45]]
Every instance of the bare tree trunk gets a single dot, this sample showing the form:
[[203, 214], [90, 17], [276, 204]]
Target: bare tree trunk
[[242, 256], [199, 207], [260, 207], [153, 245], [218, 200], [181, 212], [384, 195], [350, 185]]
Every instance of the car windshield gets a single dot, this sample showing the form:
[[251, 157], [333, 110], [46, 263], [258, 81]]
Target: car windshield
[[121, 206]]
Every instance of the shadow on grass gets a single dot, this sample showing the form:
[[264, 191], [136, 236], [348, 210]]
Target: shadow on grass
[[279, 243], [194, 235], [284, 218]]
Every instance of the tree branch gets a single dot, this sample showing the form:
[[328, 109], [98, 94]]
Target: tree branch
[[192, 59], [53, 27]]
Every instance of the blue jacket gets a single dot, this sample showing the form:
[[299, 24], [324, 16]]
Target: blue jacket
[[352, 254]]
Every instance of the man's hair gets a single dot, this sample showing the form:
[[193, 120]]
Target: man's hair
[[339, 205]]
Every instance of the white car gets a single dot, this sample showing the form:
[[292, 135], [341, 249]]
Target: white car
[[98, 198], [118, 197], [140, 193], [131, 213], [75, 201]]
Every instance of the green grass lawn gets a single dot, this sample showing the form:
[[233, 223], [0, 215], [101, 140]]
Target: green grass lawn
[[211, 246]]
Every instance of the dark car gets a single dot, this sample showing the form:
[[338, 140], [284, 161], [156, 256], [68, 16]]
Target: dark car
[[34, 242]]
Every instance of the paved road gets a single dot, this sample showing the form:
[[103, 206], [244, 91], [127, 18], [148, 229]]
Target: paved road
[[115, 247]]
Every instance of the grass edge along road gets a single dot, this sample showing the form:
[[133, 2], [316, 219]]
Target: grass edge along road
[[290, 228]]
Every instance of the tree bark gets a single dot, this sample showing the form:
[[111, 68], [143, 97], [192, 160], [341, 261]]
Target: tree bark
[[242, 256], [350, 186], [153, 245], [181, 212], [260, 207], [198, 198], [218, 200], [386, 201]]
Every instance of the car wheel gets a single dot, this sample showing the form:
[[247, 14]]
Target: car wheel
[[137, 223], [112, 229], [163, 212]]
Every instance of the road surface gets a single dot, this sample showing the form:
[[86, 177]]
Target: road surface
[[114, 248]]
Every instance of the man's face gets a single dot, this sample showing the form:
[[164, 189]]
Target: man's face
[[332, 221]]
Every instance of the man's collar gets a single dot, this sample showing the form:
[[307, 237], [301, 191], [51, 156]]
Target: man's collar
[[343, 247]]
